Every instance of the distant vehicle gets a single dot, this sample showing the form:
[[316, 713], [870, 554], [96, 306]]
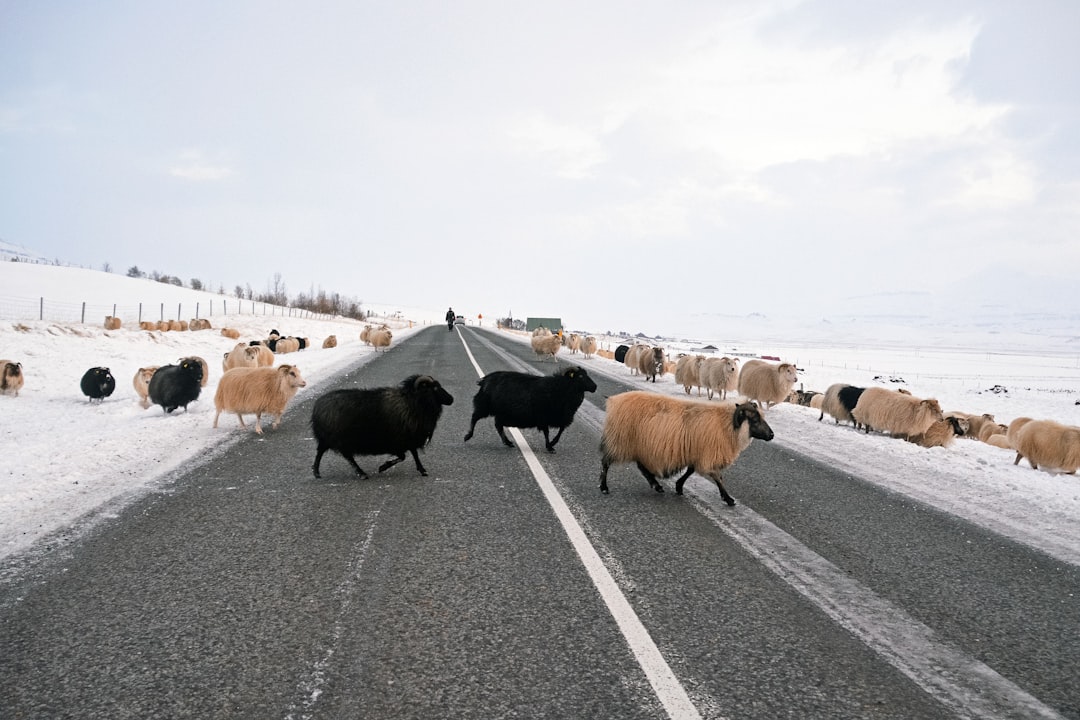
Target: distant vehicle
[[459, 320]]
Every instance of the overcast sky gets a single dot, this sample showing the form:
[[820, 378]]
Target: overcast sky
[[612, 163]]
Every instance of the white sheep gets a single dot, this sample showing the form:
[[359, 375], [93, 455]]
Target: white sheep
[[899, 414], [588, 346], [719, 376], [767, 383], [242, 355], [688, 372], [261, 391], [664, 435]]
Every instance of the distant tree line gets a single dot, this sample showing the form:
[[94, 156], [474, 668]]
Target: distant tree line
[[314, 301]]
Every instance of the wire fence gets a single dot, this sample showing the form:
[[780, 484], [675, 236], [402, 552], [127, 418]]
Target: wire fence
[[29, 309]]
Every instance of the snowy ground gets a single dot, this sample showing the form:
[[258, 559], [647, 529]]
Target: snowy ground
[[65, 459]]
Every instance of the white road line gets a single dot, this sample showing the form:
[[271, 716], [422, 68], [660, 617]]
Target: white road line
[[966, 686], [668, 689]]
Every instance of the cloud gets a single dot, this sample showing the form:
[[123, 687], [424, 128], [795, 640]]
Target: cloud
[[193, 165]]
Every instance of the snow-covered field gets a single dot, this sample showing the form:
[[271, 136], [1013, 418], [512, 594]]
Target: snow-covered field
[[66, 460]]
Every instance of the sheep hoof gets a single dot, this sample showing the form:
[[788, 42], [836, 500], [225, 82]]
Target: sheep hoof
[[658, 488], [550, 448]]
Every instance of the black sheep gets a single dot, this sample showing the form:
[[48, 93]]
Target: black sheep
[[522, 400], [97, 384], [174, 386], [377, 421], [849, 397]]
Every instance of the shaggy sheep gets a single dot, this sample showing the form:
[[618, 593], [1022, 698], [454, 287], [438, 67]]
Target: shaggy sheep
[[1014, 430], [545, 345], [330, 342], [141, 383], [259, 391], [365, 333], [719, 376], [573, 343], [767, 383], [242, 355], [199, 324], [112, 323], [11, 377], [817, 401], [1047, 444], [650, 362], [630, 357], [896, 413], [97, 383], [175, 386], [688, 372], [523, 400], [588, 346], [380, 337], [941, 432], [231, 333], [664, 435], [389, 420], [977, 423], [541, 332], [163, 325], [991, 429], [286, 345], [999, 441], [202, 363], [838, 402]]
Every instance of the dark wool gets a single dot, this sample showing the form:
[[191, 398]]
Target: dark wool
[[174, 386], [522, 400], [378, 421], [97, 383]]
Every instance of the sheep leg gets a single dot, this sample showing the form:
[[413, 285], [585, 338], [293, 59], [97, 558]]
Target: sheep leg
[[604, 465], [416, 459], [1019, 457], [715, 475], [653, 483], [681, 480], [502, 434], [318, 459], [551, 445], [392, 462]]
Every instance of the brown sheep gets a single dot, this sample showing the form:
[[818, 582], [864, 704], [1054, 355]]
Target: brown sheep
[[767, 383], [990, 429], [231, 333], [1047, 444], [898, 414], [941, 433], [1014, 430], [112, 323], [266, 355], [719, 376], [545, 345], [650, 362], [259, 391], [141, 383], [148, 325], [588, 346], [664, 435], [163, 325], [631, 357], [199, 324], [330, 342], [11, 377], [242, 355]]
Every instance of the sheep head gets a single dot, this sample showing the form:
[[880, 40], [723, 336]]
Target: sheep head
[[749, 412]]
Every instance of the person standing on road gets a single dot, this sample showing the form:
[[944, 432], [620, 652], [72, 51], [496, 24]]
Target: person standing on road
[[450, 316]]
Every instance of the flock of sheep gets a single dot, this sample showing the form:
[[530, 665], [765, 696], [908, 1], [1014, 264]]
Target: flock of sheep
[[1046, 444]]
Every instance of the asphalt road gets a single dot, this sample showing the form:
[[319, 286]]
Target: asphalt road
[[248, 589]]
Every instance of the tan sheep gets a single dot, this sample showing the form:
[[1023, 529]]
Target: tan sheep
[[941, 433], [330, 342], [286, 345], [231, 333], [719, 376], [632, 355], [141, 383], [177, 325], [545, 345], [767, 383], [242, 355], [380, 337], [664, 435], [266, 355], [199, 324], [688, 372], [112, 323], [11, 377], [163, 325], [365, 333], [541, 332], [976, 424], [817, 402], [573, 343], [898, 414], [588, 346], [999, 441], [258, 391], [990, 429], [837, 402], [1014, 430], [1048, 445], [148, 325]]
